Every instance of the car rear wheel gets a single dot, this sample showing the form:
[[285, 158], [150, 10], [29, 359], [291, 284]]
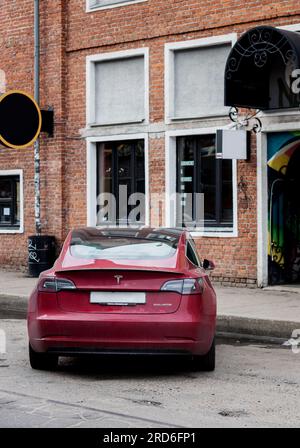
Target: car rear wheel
[[206, 363], [42, 361]]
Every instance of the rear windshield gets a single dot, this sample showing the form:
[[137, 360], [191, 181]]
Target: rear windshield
[[122, 248]]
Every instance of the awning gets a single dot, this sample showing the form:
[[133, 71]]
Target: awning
[[262, 70]]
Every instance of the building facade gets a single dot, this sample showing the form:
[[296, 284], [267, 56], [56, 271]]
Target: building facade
[[137, 89]]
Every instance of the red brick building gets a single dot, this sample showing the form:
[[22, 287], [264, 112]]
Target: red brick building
[[138, 84]]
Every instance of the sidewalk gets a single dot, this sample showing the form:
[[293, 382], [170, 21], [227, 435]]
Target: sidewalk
[[268, 314]]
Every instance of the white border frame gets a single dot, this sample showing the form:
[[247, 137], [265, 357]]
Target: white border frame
[[170, 183], [170, 48], [117, 5], [17, 172], [90, 83], [91, 167]]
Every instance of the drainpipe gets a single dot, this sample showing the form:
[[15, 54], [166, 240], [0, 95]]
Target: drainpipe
[[37, 193]]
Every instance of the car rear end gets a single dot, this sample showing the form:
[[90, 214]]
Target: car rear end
[[144, 305]]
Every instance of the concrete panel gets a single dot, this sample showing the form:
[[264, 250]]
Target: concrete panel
[[199, 81]]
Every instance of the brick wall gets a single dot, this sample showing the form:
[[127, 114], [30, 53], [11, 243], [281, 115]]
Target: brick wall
[[16, 42], [69, 34]]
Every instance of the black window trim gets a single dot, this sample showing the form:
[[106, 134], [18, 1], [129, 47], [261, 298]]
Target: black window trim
[[209, 225], [114, 144], [188, 243]]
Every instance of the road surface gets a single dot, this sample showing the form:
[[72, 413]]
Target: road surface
[[254, 385]]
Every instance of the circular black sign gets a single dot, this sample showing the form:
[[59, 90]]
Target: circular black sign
[[20, 120]]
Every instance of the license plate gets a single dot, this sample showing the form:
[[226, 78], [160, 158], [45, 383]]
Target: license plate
[[118, 298]]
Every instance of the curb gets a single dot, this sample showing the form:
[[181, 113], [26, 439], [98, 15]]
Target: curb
[[13, 306], [248, 338], [261, 328], [18, 300]]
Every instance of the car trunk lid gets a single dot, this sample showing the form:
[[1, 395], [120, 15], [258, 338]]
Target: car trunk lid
[[119, 292]]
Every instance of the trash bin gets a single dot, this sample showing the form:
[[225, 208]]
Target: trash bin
[[41, 254]]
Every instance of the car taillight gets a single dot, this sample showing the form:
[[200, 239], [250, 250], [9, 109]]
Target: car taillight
[[185, 287], [173, 286], [53, 284]]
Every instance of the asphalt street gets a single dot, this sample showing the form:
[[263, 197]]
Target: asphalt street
[[253, 386]]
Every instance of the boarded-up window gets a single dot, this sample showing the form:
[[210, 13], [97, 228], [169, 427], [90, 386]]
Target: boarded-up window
[[199, 82], [120, 90]]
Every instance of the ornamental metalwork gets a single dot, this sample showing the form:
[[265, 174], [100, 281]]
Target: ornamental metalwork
[[260, 44], [248, 120]]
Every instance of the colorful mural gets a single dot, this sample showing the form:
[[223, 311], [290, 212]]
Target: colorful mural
[[284, 207]]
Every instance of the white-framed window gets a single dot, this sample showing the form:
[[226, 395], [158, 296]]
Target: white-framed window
[[93, 5], [118, 88], [190, 153], [11, 201], [113, 162], [194, 77]]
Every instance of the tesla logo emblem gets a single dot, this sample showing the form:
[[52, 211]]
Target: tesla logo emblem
[[118, 278]]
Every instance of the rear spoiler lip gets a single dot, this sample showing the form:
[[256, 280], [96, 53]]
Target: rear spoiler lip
[[133, 269]]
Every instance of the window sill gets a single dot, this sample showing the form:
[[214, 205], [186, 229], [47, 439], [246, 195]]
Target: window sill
[[117, 123], [214, 233], [279, 112], [9, 231], [116, 5], [217, 115]]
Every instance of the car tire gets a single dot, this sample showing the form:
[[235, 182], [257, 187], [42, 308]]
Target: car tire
[[42, 361], [206, 363]]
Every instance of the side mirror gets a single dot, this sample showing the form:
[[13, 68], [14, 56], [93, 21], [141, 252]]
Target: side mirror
[[208, 265]]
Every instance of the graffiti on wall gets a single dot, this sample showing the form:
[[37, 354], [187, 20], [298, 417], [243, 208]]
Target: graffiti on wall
[[284, 209]]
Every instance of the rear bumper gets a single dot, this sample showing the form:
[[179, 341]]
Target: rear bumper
[[73, 334], [78, 351]]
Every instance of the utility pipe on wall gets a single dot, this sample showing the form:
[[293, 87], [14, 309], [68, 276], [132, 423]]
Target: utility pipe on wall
[[37, 194]]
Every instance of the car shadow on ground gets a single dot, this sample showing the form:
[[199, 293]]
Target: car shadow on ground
[[124, 367]]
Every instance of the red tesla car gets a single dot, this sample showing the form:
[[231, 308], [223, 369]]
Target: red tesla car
[[124, 291]]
